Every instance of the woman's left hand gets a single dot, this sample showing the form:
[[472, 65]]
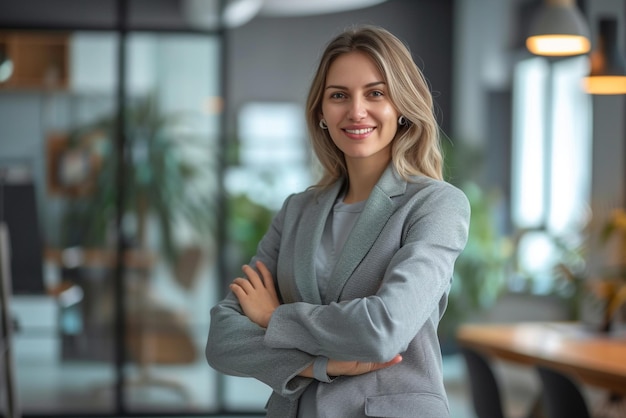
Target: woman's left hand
[[256, 295]]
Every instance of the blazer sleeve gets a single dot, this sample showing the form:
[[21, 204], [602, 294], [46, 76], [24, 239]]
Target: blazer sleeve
[[235, 345], [378, 327]]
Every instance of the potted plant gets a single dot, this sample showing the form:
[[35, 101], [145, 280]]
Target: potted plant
[[167, 183]]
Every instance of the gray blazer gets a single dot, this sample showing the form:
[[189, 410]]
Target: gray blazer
[[386, 296]]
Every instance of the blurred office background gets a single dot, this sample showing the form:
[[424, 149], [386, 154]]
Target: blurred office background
[[145, 145]]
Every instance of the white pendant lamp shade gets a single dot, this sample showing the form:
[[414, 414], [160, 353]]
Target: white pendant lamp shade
[[608, 70], [559, 29], [212, 14], [6, 65]]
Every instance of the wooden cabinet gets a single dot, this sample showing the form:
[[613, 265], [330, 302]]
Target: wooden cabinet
[[39, 59]]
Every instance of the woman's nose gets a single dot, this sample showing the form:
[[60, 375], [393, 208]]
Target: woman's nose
[[358, 109]]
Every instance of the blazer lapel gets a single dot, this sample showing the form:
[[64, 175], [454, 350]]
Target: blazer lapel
[[377, 211], [307, 243]]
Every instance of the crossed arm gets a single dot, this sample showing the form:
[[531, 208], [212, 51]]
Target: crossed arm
[[258, 299]]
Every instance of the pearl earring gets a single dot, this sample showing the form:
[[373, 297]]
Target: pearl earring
[[323, 124], [402, 121]]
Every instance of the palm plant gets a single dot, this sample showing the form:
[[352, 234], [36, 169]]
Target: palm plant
[[168, 174]]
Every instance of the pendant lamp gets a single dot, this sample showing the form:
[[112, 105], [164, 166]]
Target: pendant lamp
[[608, 70], [559, 29]]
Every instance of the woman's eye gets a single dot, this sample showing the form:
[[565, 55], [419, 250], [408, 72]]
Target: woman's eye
[[337, 95], [377, 93]]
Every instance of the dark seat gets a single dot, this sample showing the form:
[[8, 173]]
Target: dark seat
[[561, 397], [486, 397]]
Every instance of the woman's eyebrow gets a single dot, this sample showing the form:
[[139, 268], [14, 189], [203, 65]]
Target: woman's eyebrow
[[368, 85]]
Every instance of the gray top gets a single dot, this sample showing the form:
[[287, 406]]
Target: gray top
[[340, 220]]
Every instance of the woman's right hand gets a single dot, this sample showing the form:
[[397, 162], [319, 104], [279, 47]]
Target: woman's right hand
[[355, 368]]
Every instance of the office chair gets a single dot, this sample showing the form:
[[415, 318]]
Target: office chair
[[484, 388], [561, 396]]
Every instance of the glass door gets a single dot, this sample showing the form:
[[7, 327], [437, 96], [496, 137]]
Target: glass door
[[80, 336]]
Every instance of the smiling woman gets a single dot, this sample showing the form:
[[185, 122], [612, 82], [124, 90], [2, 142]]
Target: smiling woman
[[338, 309]]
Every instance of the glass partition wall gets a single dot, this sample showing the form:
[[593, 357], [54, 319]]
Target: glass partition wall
[[125, 215]]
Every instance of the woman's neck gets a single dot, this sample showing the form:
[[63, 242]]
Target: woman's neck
[[362, 177]]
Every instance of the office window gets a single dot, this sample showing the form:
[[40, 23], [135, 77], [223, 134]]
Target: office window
[[551, 160], [272, 153]]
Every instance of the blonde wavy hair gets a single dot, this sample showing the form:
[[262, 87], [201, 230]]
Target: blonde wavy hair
[[416, 148]]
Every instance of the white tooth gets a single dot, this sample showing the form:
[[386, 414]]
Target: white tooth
[[359, 131]]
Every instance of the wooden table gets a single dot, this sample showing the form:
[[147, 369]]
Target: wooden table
[[594, 358]]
